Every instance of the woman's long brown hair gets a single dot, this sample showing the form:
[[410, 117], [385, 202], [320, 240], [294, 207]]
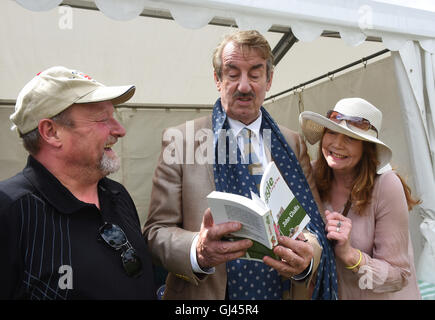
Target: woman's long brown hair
[[364, 182]]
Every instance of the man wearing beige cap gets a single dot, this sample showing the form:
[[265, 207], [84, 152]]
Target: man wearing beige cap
[[66, 230]]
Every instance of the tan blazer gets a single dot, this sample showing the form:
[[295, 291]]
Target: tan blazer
[[178, 201]]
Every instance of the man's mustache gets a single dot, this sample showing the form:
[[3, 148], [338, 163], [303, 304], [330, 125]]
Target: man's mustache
[[111, 140], [239, 94]]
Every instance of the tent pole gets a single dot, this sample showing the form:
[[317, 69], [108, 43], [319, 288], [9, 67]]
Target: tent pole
[[329, 74]]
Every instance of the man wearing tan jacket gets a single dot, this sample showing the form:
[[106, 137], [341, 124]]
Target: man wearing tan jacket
[[195, 161]]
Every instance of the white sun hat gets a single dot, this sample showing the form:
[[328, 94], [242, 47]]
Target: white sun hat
[[52, 91], [313, 124]]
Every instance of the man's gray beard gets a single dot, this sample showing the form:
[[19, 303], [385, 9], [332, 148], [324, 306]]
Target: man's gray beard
[[109, 165]]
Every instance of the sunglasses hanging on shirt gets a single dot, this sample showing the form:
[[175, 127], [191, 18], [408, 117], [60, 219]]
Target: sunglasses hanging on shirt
[[113, 235]]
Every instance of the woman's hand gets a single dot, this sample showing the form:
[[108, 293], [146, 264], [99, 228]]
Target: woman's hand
[[338, 228]]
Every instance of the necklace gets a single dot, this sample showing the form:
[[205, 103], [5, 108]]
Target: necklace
[[347, 207]]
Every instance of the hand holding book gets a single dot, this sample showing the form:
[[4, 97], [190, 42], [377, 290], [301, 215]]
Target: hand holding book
[[295, 256], [211, 250]]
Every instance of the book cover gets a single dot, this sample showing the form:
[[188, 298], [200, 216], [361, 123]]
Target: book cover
[[287, 212]]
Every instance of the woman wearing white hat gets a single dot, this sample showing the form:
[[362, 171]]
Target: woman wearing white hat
[[367, 203]]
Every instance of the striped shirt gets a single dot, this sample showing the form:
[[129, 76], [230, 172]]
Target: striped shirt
[[50, 242]]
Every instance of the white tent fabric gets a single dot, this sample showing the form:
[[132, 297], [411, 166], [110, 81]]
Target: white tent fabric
[[42, 5], [400, 25], [415, 70], [355, 20]]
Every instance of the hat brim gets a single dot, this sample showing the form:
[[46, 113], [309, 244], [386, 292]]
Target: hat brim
[[313, 124], [116, 95]]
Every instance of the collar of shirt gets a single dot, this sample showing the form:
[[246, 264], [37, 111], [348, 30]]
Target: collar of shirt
[[55, 192], [256, 138], [237, 126]]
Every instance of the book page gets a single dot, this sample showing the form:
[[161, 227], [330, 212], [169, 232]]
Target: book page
[[252, 223], [258, 200], [256, 221]]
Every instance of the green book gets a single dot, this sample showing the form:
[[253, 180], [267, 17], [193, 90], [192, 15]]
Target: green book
[[275, 212]]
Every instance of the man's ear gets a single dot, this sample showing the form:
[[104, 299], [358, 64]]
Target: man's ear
[[49, 132], [217, 81]]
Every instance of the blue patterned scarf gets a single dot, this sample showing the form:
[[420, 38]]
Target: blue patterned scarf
[[228, 172]]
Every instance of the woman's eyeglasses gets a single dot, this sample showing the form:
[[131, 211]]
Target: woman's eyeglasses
[[357, 122], [113, 235]]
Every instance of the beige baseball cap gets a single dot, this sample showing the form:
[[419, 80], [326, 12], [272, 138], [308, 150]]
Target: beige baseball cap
[[52, 91]]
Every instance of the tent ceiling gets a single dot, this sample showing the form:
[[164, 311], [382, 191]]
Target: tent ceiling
[[395, 21], [283, 46]]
